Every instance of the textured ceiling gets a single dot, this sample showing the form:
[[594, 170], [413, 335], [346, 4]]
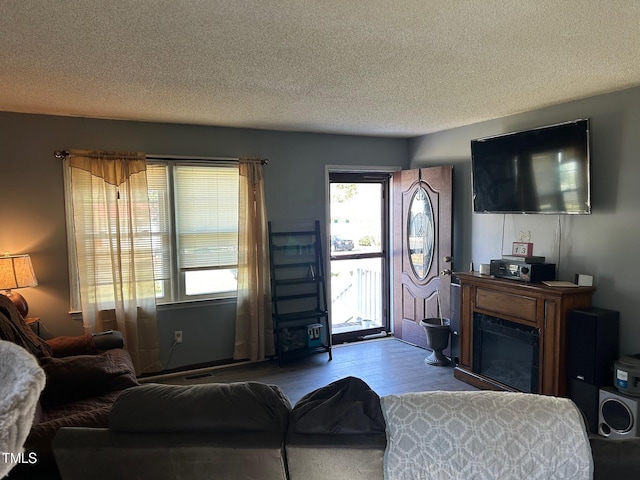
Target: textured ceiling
[[389, 68]]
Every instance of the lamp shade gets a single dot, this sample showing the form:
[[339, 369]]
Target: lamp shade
[[16, 271]]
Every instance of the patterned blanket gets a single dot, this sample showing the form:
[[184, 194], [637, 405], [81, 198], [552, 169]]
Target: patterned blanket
[[484, 435], [21, 381]]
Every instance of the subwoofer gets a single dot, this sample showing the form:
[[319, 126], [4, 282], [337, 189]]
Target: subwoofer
[[618, 414], [592, 349]]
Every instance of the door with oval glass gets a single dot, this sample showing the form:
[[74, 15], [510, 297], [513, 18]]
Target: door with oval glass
[[422, 206]]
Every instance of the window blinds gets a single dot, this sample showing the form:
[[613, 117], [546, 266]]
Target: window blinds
[[206, 216]]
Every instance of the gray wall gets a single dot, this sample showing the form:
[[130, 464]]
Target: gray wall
[[603, 244], [32, 203]]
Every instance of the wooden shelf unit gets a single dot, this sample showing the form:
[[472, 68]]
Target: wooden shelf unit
[[536, 305]]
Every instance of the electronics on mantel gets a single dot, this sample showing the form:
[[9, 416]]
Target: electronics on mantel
[[530, 269]]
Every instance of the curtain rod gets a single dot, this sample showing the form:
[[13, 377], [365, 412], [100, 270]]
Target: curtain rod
[[62, 154], [264, 161]]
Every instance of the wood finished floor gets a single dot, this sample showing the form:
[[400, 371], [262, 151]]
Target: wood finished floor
[[389, 366]]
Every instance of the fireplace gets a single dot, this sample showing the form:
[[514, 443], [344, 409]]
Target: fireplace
[[507, 352], [528, 305]]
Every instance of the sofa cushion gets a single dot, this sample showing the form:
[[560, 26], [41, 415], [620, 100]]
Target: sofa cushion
[[615, 458], [236, 407], [102, 454]]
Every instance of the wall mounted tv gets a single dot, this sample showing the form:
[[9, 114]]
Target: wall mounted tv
[[544, 170]]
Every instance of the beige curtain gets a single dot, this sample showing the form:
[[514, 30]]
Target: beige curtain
[[112, 227], [254, 325]]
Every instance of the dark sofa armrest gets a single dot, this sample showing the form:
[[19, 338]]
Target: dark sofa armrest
[[66, 346], [84, 376], [615, 458], [87, 344]]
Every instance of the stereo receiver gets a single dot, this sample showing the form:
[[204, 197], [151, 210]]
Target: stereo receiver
[[523, 271]]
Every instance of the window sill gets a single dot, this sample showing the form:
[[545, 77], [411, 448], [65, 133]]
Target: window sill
[[77, 315], [195, 303]]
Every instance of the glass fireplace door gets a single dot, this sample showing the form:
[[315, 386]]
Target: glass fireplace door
[[507, 352]]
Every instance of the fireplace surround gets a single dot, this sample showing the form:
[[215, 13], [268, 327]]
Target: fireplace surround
[[533, 307]]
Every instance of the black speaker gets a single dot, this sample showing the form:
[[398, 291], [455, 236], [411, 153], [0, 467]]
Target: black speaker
[[592, 349], [586, 398], [592, 345]]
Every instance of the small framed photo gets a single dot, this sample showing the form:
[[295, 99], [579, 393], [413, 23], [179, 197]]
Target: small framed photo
[[522, 249]]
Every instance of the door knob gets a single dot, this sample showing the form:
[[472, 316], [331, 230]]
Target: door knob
[[447, 259], [446, 271]]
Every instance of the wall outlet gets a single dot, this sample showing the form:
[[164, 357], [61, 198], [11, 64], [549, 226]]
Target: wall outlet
[[177, 336]]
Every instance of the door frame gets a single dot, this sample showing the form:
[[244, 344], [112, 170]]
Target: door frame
[[388, 294]]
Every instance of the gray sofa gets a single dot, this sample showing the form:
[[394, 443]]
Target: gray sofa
[[225, 431], [250, 431]]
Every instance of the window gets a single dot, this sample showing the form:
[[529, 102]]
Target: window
[[194, 218], [194, 226]]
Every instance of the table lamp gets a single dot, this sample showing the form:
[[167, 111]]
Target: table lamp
[[16, 271]]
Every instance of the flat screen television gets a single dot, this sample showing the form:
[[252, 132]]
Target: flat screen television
[[544, 170]]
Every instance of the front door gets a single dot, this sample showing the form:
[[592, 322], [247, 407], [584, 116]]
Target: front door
[[422, 206]]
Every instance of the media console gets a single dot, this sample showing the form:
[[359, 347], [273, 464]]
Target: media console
[[531, 329]]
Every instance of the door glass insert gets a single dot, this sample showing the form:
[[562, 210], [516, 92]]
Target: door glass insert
[[359, 291], [421, 233], [356, 218]]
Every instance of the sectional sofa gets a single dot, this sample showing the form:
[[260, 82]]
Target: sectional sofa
[[341, 431]]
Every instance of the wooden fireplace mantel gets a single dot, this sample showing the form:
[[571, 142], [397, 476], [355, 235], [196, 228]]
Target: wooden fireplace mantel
[[536, 305]]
